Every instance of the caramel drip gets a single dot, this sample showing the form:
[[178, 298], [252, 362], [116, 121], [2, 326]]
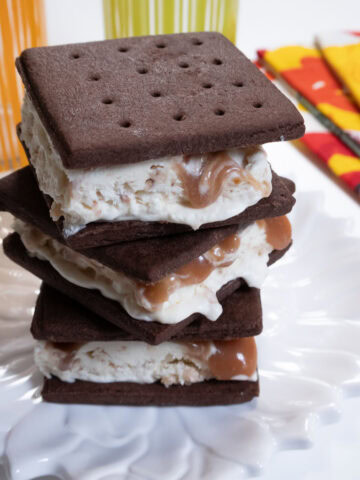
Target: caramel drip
[[192, 273], [70, 350], [232, 357], [226, 247], [278, 231], [203, 186]]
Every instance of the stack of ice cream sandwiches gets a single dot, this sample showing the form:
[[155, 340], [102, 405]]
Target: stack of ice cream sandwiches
[[151, 214]]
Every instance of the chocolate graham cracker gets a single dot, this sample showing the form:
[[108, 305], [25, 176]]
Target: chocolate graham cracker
[[59, 318], [148, 260], [211, 392], [110, 310], [132, 99]]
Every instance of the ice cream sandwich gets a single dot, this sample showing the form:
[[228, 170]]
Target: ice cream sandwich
[[113, 310], [131, 140], [91, 366]]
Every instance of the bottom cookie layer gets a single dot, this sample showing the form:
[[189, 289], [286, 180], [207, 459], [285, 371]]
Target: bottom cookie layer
[[211, 392]]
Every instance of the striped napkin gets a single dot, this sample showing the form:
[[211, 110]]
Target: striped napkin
[[333, 129], [341, 50]]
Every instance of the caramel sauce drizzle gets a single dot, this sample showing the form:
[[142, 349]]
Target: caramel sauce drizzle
[[278, 231], [192, 273], [232, 357], [203, 186]]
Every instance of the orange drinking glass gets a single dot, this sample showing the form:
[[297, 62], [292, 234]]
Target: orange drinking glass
[[22, 25]]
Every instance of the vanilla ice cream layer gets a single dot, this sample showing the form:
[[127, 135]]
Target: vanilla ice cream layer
[[248, 261], [191, 190], [132, 361]]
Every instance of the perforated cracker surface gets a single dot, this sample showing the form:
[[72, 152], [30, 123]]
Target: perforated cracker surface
[[128, 100]]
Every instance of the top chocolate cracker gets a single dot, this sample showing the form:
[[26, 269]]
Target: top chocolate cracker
[[133, 99]]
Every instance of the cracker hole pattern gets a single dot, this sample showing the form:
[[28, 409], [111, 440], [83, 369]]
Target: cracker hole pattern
[[207, 85], [179, 117], [142, 70], [125, 124], [257, 104], [107, 101], [217, 61], [123, 49], [75, 56], [238, 84], [183, 65], [94, 78], [160, 45], [219, 112], [156, 94], [196, 42]]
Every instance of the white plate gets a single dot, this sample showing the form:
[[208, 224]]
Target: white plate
[[309, 360]]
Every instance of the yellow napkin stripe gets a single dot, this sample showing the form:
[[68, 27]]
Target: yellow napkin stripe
[[341, 164]]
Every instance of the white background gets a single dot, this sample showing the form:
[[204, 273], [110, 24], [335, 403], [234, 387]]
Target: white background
[[267, 23]]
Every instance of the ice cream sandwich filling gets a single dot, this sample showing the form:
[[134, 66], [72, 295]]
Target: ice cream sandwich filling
[[192, 190], [132, 361], [190, 289]]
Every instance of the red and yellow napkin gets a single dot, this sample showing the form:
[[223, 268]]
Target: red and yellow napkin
[[313, 84], [341, 51]]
